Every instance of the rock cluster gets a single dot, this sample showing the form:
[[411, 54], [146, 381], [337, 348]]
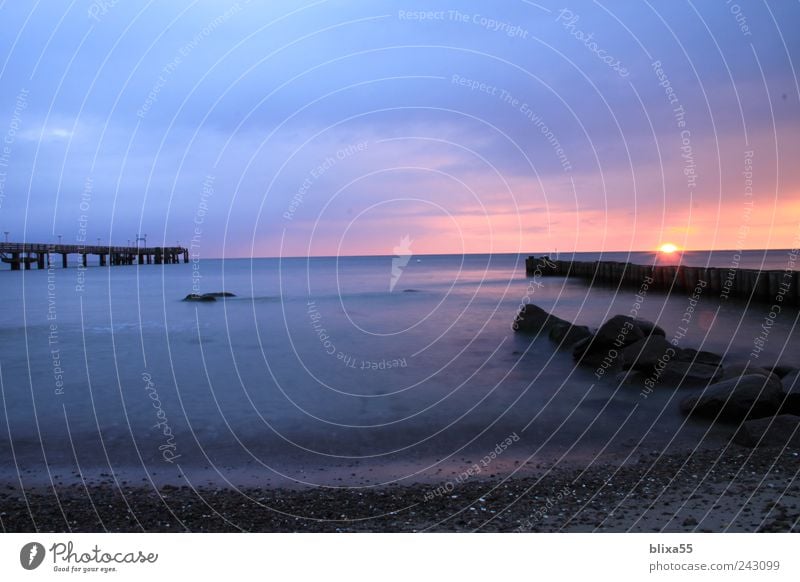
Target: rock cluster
[[764, 402]]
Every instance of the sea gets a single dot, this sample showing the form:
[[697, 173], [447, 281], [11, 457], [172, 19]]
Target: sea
[[339, 371]]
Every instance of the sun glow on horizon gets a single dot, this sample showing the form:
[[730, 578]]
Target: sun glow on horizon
[[668, 248]]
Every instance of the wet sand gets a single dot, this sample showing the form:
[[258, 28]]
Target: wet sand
[[731, 489]]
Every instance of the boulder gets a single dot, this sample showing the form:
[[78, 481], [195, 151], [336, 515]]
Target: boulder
[[533, 319], [736, 369], [677, 373], [791, 393], [219, 294], [650, 328], [196, 297], [566, 334], [699, 357], [644, 354], [782, 370], [778, 431], [619, 331], [737, 399]]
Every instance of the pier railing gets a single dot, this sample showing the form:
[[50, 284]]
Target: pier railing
[[774, 286], [20, 255]]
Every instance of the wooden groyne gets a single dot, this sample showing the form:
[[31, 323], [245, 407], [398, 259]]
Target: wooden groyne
[[20, 255], [771, 286]]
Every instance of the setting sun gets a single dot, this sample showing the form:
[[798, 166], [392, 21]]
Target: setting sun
[[667, 248]]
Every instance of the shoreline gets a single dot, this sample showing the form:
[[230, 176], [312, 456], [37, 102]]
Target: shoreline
[[729, 489]]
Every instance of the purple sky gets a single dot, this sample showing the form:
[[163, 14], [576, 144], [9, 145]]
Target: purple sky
[[340, 127]]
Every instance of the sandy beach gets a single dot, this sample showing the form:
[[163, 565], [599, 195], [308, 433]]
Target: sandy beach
[[731, 490]]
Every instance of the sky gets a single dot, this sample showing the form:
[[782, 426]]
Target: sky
[[328, 128]]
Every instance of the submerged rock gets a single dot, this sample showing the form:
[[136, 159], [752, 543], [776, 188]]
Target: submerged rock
[[677, 373], [646, 353], [699, 357], [207, 296], [778, 431], [620, 331], [196, 297], [532, 319], [566, 335], [737, 399], [736, 369], [649, 328]]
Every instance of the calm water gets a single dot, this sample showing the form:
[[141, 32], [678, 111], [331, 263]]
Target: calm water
[[317, 372]]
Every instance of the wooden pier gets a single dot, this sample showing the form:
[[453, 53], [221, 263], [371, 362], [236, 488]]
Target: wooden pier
[[23, 255], [773, 286]]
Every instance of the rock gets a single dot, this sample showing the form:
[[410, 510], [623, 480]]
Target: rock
[[644, 354], [649, 328], [196, 297], [566, 334], [532, 319], [791, 393], [677, 373], [734, 370], [219, 294], [777, 431], [700, 357], [781, 370], [631, 378], [619, 331], [737, 399]]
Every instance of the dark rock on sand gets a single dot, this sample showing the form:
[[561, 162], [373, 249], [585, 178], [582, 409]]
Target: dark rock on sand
[[532, 319], [566, 335], [644, 354], [196, 297], [219, 294], [620, 330], [772, 431], [737, 399]]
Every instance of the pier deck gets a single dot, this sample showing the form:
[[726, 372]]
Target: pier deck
[[774, 286], [20, 255]]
